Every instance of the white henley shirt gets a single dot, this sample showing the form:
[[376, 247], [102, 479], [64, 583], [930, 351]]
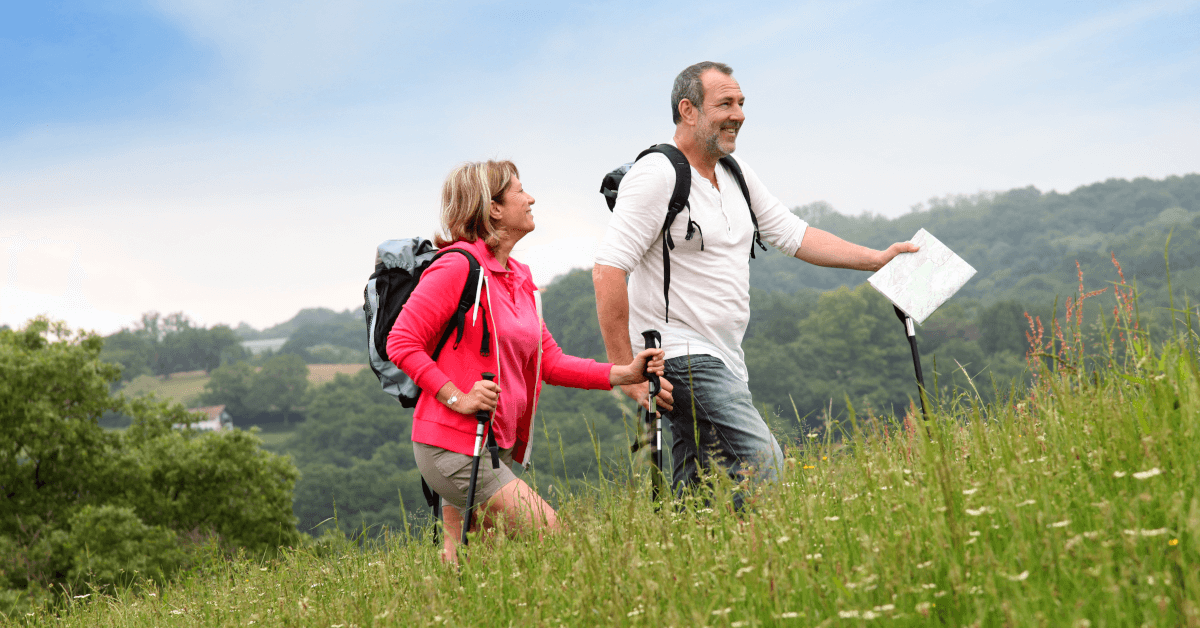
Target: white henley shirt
[[710, 289]]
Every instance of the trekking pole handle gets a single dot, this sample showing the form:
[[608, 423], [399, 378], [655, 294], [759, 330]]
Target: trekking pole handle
[[482, 415], [653, 341]]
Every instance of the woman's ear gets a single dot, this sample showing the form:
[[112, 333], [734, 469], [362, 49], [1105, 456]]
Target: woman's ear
[[494, 210]]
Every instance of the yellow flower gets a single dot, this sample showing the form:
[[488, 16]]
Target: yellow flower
[[824, 457], [1173, 542]]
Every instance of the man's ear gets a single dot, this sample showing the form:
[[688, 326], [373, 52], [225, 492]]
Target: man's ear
[[688, 112]]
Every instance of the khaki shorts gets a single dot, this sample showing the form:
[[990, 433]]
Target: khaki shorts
[[448, 473]]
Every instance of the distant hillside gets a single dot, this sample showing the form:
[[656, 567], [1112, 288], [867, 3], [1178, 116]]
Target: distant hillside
[[1023, 243]]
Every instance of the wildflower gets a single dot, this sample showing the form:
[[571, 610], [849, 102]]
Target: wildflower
[[1173, 542], [1146, 475], [789, 615], [848, 614], [1154, 532], [970, 491], [1019, 577], [977, 512], [809, 466], [816, 556], [885, 608], [743, 571], [824, 457], [739, 624], [1119, 474], [724, 611], [783, 539], [1060, 524], [833, 518], [928, 563]]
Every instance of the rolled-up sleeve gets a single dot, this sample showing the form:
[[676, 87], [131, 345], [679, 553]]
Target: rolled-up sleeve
[[560, 369], [639, 213], [776, 223]]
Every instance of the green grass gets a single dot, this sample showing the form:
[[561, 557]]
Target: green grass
[[182, 387], [1075, 506], [276, 437]]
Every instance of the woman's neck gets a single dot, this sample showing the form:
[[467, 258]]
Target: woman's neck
[[505, 247]]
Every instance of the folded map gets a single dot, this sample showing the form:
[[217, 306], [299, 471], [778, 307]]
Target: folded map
[[920, 282]]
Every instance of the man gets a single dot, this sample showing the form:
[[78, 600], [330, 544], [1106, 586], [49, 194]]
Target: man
[[705, 392]]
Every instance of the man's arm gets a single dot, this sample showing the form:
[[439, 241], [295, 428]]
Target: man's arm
[[612, 308], [825, 249]]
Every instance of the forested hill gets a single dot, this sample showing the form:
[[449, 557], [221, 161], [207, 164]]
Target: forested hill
[[1023, 243]]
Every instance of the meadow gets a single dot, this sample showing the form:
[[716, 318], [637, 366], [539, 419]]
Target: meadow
[[1072, 503], [186, 387]]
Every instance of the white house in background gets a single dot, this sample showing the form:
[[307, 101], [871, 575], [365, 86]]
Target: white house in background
[[256, 347], [218, 419]]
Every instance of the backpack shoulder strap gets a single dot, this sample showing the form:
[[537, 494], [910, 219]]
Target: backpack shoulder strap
[[679, 200], [457, 321], [732, 166]]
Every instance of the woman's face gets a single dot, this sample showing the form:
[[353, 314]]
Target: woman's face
[[514, 214]]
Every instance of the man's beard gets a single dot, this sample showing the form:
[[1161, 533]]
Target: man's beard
[[712, 140]]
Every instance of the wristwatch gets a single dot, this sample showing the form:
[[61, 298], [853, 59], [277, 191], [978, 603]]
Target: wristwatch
[[451, 400]]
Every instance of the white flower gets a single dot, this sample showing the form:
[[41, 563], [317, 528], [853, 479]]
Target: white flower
[[976, 513], [789, 615], [885, 608], [928, 563], [847, 614], [724, 611], [1154, 532], [974, 533], [87, 595], [970, 491], [738, 624], [833, 518], [1146, 475], [1060, 524], [869, 615], [929, 586], [1119, 474], [783, 539], [816, 556], [743, 571], [1028, 502], [1019, 577]]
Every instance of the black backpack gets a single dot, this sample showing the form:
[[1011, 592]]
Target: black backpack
[[679, 200], [399, 265]]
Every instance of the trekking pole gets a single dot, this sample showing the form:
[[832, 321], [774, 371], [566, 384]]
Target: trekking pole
[[481, 418], [910, 329], [654, 419]]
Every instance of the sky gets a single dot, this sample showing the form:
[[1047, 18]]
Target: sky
[[238, 161]]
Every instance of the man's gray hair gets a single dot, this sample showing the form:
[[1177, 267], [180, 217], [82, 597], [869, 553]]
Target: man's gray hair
[[688, 85]]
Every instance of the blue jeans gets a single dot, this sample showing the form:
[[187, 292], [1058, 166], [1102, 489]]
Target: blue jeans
[[714, 421]]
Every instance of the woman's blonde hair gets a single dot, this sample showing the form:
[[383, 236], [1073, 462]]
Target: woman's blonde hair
[[466, 201]]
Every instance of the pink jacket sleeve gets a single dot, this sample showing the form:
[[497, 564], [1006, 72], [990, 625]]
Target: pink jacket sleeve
[[560, 369], [424, 317]]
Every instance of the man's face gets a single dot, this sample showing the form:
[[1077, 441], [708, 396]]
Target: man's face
[[721, 116]]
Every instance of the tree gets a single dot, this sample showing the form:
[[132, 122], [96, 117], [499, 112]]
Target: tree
[[279, 386], [83, 506], [230, 386]]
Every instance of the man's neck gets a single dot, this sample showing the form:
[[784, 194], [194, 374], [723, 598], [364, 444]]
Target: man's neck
[[700, 159]]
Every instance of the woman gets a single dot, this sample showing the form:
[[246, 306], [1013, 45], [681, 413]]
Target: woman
[[486, 211]]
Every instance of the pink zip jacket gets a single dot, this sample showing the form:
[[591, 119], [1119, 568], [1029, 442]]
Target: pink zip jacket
[[508, 300]]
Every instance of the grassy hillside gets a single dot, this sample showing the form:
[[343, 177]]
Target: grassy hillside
[[186, 387], [1074, 505]]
